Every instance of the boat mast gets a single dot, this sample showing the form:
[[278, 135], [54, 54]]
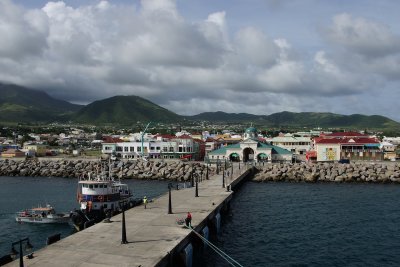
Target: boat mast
[[144, 131]]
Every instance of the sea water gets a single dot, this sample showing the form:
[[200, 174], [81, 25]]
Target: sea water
[[301, 224], [19, 193], [269, 224]]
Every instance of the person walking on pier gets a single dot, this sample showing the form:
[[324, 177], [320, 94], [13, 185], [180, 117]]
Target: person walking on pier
[[145, 202], [188, 220]]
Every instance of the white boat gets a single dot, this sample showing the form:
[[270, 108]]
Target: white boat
[[41, 214], [99, 197]]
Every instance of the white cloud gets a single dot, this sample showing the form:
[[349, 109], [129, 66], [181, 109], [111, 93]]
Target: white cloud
[[366, 37], [95, 51]]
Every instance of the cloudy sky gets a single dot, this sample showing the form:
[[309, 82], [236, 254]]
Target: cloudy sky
[[192, 56]]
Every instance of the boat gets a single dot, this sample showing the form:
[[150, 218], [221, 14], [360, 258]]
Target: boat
[[41, 214], [100, 197]]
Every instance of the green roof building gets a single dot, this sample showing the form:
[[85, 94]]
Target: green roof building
[[250, 149]]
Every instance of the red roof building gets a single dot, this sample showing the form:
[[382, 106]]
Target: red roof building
[[343, 135], [356, 148]]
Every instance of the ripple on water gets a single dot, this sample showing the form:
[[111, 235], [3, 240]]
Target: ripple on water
[[299, 224]]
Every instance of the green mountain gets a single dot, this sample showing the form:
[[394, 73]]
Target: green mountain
[[124, 110], [221, 116], [303, 119], [20, 104], [325, 119]]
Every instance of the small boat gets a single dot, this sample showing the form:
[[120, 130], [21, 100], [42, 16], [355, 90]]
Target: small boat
[[41, 214]]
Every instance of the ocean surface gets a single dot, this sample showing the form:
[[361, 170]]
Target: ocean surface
[[19, 193], [269, 224], [299, 224]]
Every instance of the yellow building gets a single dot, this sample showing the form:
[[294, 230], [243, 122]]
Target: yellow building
[[35, 149]]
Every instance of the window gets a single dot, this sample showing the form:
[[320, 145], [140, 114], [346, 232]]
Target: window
[[96, 186], [180, 149], [118, 148], [158, 148], [152, 148], [165, 149], [171, 149], [132, 149], [91, 186], [126, 149], [139, 149]]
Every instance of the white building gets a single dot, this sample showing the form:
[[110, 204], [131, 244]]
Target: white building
[[297, 145], [159, 147]]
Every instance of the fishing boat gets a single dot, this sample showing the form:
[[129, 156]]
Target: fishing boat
[[99, 197], [41, 214]]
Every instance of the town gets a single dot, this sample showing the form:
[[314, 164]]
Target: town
[[235, 143]]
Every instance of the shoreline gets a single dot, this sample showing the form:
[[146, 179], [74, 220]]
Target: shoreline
[[176, 170], [81, 167], [358, 172]]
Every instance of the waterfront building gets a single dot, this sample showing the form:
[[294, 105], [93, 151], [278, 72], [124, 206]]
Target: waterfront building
[[158, 147], [250, 150], [298, 145], [38, 150], [211, 144], [389, 150], [356, 148]]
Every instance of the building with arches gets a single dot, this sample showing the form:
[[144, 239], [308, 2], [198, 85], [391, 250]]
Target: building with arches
[[251, 150]]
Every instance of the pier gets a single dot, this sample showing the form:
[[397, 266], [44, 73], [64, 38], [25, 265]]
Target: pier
[[154, 238]]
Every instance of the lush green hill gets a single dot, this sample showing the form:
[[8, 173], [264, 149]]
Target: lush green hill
[[124, 110], [221, 116], [20, 104], [303, 119], [323, 119]]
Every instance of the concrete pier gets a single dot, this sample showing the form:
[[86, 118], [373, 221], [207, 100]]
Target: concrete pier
[[154, 237]]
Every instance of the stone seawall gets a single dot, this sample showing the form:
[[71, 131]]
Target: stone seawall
[[330, 172], [171, 170]]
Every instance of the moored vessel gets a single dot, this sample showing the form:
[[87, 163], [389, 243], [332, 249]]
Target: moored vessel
[[41, 214], [100, 197]]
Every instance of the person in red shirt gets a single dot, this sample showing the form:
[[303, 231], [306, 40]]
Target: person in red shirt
[[188, 220]]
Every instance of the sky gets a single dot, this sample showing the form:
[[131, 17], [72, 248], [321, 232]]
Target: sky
[[193, 56]]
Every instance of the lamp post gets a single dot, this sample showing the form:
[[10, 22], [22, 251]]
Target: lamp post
[[28, 247], [191, 178], [123, 237], [217, 163], [169, 198], [201, 175], [197, 185], [231, 169], [223, 179], [207, 172]]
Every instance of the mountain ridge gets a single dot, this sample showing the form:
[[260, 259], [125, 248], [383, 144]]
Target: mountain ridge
[[20, 104]]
